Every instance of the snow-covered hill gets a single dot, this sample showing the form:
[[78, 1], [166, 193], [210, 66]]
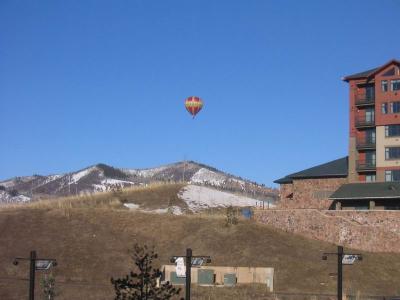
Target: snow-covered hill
[[196, 198], [200, 197], [101, 177]]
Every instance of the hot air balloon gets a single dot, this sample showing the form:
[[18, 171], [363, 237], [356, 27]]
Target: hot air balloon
[[193, 105]]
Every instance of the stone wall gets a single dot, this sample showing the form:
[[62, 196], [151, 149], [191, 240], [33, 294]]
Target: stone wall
[[310, 193], [285, 192], [374, 231]]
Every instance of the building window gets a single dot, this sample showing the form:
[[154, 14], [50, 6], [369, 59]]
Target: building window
[[370, 178], [384, 108], [395, 85], [395, 107], [392, 153], [384, 85], [393, 175], [392, 130]]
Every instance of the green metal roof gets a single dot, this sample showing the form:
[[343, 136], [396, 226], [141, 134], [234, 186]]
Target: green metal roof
[[284, 180], [334, 168], [373, 190]]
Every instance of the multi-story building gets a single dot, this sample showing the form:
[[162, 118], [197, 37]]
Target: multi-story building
[[374, 147], [369, 177]]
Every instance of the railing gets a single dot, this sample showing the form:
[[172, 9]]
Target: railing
[[366, 143], [365, 99], [366, 165], [364, 122]]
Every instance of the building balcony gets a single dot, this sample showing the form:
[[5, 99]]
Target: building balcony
[[365, 100], [366, 165], [364, 122], [365, 143]]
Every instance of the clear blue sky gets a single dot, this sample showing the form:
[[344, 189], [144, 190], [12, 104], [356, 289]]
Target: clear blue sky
[[83, 82]]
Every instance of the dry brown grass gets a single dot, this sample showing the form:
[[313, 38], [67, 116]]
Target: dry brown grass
[[91, 244], [157, 195], [254, 291]]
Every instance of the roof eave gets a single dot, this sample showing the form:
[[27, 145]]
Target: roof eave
[[393, 61], [361, 198], [317, 177], [282, 181], [378, 69]]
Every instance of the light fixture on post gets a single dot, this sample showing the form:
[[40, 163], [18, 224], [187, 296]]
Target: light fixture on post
[[342, 259], [36, 264], [191, 260]]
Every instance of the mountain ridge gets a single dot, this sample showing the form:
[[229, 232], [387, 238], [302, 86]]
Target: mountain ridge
[[103, 177]]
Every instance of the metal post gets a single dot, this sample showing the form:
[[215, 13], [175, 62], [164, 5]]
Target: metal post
[[340, 272], [188, 272], [32, 275]]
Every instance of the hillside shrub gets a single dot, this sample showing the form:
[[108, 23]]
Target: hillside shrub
[[231, 216], [13, 193]]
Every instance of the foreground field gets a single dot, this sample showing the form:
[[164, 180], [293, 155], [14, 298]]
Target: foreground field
[[91, 243]]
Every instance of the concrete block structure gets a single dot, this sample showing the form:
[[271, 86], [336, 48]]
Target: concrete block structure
[[227, 276], [373, 163]]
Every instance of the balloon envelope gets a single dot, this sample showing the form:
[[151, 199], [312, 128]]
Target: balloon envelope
[[193, 105]]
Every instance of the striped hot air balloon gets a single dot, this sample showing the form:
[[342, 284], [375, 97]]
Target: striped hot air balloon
[[193, 105]]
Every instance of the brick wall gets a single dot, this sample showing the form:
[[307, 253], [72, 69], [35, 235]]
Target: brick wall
[[310, 193], [374, 231]]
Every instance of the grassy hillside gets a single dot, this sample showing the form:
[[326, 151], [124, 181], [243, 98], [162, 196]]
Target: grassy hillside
[[91, 238], [147, 197]]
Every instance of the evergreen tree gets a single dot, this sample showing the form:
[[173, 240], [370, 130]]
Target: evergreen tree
[[142, 284], [13, 193]]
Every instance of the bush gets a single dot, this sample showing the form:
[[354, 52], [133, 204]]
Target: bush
[[231, 216], [13, 193]]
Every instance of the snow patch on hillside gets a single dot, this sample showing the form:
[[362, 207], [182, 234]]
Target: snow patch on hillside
[[8, 183], [5, 197], [14, 181], [110, 181], [200, 197], [131, 205], [48, 179], [53, 177], [240, 182], [145, 172], [207, 176], [175, 210], [77, 176]]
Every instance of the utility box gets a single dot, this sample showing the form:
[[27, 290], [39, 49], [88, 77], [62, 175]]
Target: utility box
[[230, 279], [247, 213], [205, 276], [176, 280]]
